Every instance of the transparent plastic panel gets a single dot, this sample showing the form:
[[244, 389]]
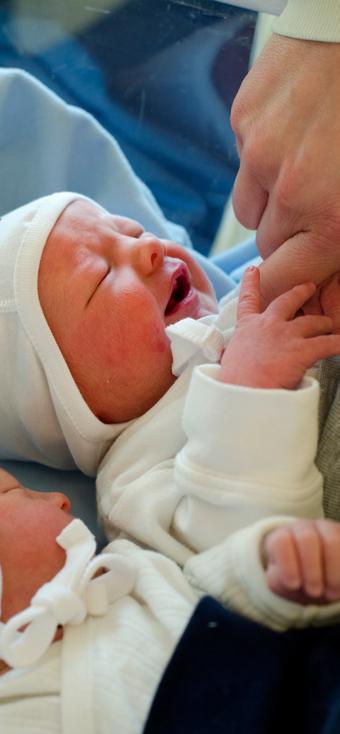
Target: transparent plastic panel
[[160, 75]]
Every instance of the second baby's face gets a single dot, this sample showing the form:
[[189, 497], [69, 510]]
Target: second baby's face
[[29, 554], [108, 290]]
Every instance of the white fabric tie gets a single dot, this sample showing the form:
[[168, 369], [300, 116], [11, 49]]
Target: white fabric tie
[[71, 595], [195, 342]]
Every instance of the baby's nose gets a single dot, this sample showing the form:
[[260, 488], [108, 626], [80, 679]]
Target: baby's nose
[[150, 253], [58, 499]]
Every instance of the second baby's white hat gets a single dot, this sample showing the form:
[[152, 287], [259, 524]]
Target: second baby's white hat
[[43, 416]]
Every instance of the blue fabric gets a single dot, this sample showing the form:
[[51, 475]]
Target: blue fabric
[[226, 269], [158, 76], [222, 281], [235, 260], [229, 675]]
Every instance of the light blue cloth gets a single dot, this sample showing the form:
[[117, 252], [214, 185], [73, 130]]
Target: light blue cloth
[[237, 259]]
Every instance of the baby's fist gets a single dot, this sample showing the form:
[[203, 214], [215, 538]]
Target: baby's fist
[[302, 561]]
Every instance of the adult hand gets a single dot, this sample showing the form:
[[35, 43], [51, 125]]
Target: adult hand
[[286, 118]]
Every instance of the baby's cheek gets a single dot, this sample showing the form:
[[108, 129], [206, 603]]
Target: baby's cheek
[[160, 343], [160, 356]]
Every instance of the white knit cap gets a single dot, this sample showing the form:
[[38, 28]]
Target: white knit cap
[[43, 416]]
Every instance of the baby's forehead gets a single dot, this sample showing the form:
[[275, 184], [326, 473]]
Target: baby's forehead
[[78, 216], [83, 222], [79, 225]]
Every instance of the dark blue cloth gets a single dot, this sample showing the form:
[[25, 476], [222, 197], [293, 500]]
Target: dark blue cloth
[[229, 675]]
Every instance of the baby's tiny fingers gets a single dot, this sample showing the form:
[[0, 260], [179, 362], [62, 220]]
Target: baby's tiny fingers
[[250, 296], [330, 536], [287, 304], [313, 325], [281, 559], [309, 550], [321, 347]]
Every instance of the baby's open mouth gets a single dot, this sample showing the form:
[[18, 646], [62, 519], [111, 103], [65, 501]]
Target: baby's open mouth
[[180, 289]]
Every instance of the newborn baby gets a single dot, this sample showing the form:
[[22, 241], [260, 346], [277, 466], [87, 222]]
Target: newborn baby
[[68, 615], [90, 304], [124, 286]]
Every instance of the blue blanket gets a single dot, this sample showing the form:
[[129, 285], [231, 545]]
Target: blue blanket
[[229, 675]]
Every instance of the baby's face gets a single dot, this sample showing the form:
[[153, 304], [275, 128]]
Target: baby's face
[[29, 555], [108, 290]]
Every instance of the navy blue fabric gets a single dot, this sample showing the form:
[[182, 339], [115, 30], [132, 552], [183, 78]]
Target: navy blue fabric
[[229, 675]]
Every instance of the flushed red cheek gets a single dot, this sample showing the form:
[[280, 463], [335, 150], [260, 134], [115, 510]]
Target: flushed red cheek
[[161, 345], [159, 348]]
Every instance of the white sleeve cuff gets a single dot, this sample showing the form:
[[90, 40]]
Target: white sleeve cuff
[[317, 20], [250, 433], [249, 455]]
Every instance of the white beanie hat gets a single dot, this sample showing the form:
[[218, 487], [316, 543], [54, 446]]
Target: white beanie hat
[[43, 416]]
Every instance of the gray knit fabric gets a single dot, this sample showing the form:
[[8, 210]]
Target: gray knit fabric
[[328, 455]]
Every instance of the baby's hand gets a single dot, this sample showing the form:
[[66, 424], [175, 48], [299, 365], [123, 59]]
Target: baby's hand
[[302, 561], [273, 349]]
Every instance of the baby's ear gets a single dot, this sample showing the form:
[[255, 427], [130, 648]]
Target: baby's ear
[[7, 480]]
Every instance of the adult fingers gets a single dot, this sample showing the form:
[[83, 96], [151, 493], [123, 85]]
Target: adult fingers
[[300, 259], [249, 197], [313, 325]]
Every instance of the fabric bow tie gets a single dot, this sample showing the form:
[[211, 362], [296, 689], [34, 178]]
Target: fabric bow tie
[[72, 594]]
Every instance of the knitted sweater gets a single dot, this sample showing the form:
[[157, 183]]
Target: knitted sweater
[[328, 455], [101, 677]]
